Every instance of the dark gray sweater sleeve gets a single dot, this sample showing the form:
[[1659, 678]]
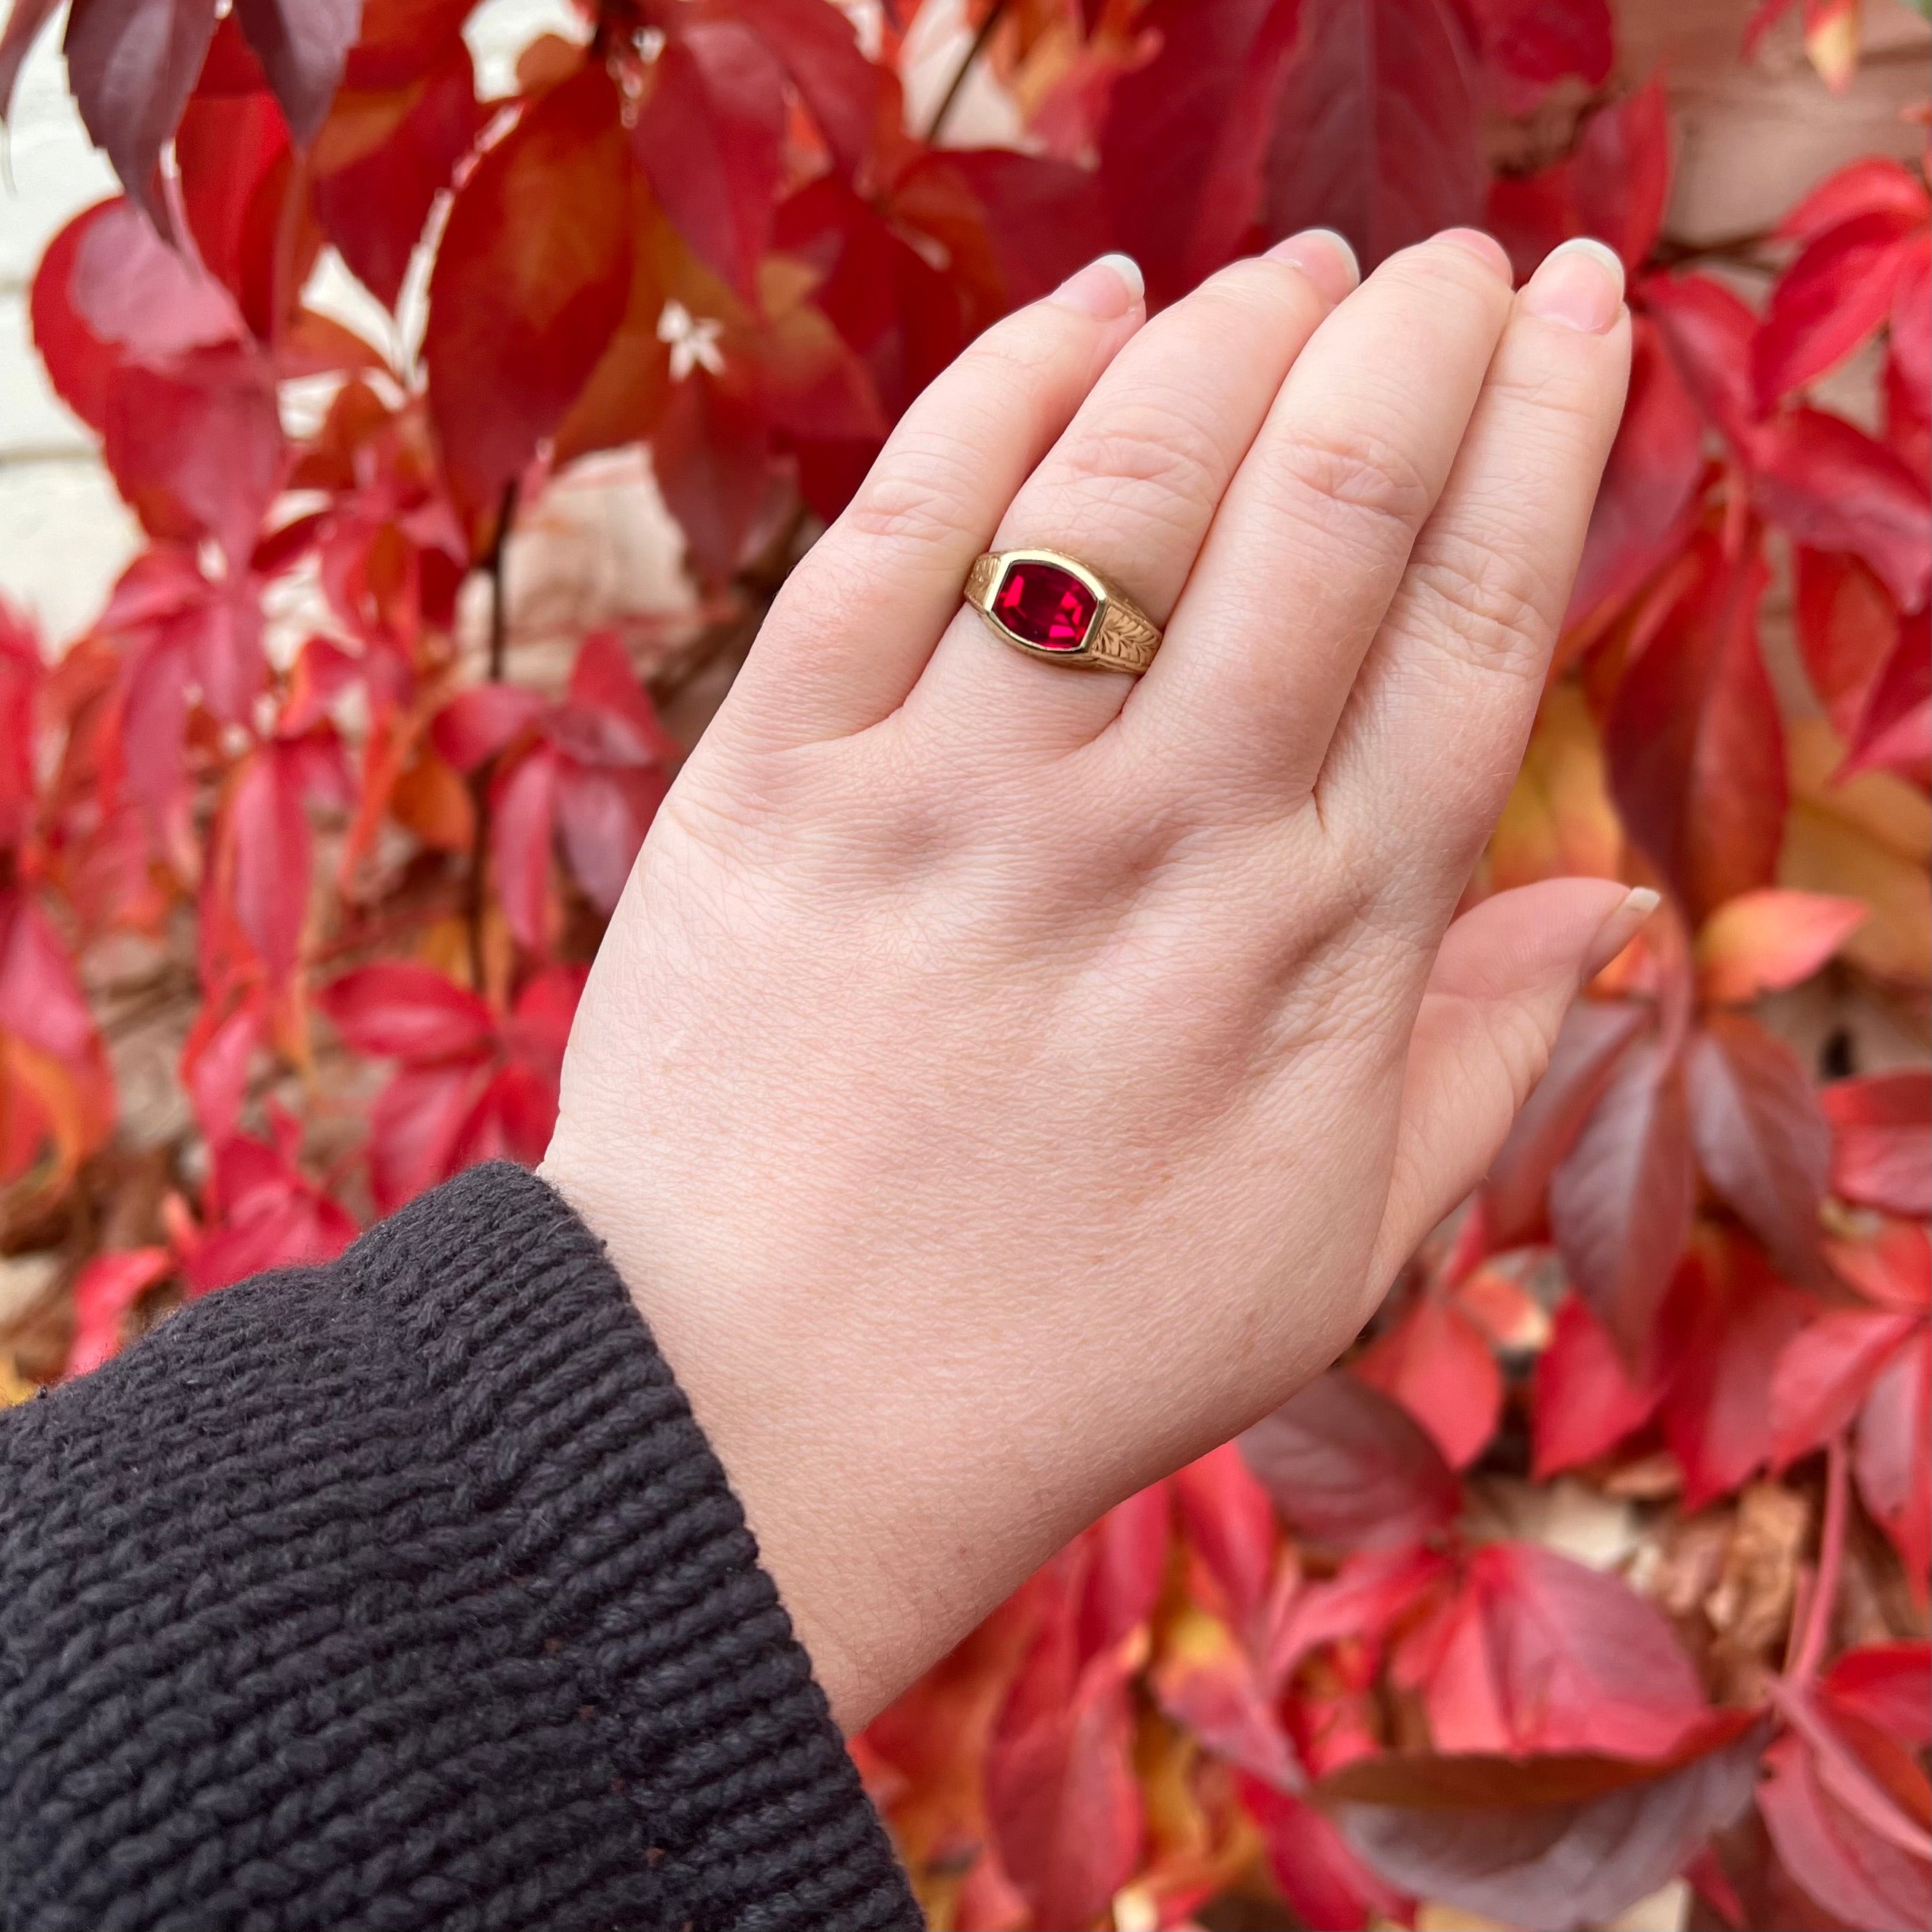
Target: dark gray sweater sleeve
[[405, 1593]]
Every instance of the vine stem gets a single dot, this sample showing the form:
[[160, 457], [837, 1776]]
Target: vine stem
[[993, 14], [499, 641], [1810, 1652]]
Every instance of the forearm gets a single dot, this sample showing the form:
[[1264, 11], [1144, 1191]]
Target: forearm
[[403, 1591]]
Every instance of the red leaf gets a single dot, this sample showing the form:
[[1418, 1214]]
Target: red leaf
[[1882, 1140], [1649, 484], [479, 722], [1585, 1401], [1620, 1204], [539, 1023], [131, 64], [417, 1126], [1838, 293], [531, 278], [609, 718], [841, 89], [199, 451], [1908, 364], [1847, 625], [1061, 1796], [1621, 177], [269, 846], [407, 1012], [1758, 1135], [1437, 1363], [387, 149], [1872, 186], [1726, 1326], [1550, 1656], [41, 998], [1708, 330], [1206, 1682], [1346, 1465], [1830, 485], [1594, 1034], [602, 815], [233, 153], [154, 355], [1825, 1373], [1763, 941], [1894, 729], [1038, 221], [1694, 741], [1532, 44], [1835, 1856], [1183, 148], [1893, 1453], [1613, 186], [1887, 1685], [79, 364], [301, 45], [523, 822], [131, 292], [1376, 127], [1323, 1881], [711, 455], [215, 1064], [1229, 1523], [262, 1214], [710, 136], [1362, 1603], [103, 1291], [1558, 1842], [22, 675]]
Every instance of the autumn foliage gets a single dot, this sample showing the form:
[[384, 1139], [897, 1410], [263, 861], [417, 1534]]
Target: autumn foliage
[[1603, 1560]]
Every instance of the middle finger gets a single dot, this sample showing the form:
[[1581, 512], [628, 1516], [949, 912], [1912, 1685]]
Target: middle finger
[[1131, 487]]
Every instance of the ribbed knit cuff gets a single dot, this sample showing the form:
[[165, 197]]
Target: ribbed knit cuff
[[406, 1592]]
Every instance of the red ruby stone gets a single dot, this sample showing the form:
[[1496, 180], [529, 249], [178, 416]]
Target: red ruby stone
[[1044, 605]]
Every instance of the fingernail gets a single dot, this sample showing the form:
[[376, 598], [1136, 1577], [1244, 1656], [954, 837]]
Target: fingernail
[[1580, 284], [1619, 929], [1485, 248], [1105, 288], [1324, 257]]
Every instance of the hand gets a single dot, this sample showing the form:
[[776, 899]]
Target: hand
[[1001, 1083]]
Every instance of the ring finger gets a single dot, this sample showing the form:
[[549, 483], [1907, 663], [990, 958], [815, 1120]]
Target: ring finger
[[1132, 486]]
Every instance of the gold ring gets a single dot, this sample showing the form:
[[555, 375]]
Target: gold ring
[[1049, 606]]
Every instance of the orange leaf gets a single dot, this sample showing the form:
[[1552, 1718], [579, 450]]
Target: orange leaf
[[1764, 941]]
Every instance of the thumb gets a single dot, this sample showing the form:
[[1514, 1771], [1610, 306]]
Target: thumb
[[1505, 975]]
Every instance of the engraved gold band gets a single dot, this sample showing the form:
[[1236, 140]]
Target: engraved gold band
[[1052, 606]]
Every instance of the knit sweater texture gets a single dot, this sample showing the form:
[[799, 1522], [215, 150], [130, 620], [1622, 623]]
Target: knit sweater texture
[[405, 1593]]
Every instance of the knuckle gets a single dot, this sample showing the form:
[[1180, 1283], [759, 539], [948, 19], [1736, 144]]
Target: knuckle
[[1493, 609], [1556, 400], [911, 497], [1353, 471], [1151, 447]]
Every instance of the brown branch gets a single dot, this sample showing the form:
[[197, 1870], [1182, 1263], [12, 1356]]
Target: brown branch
[[479, 784], [994, 15], [1819, 1605]]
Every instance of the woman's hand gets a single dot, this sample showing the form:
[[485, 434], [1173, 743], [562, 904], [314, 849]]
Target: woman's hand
[[1001, 1083]]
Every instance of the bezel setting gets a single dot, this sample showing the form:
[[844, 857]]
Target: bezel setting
[[1095, 586]]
